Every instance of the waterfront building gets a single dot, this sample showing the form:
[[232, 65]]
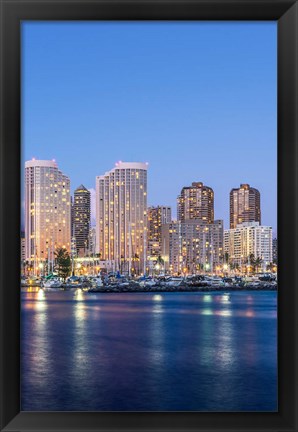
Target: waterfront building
[[71, 217], [121, 216], [246, 239], [196, 202], [245, 205], [274, 250], [23, 248], [157, 217], [47, 211], [92, 240], [194, 246], [81, 219]]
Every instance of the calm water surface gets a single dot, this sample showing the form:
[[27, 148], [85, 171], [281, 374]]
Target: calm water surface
[[149, 352]]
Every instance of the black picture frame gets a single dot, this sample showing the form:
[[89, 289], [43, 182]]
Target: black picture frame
[[285, 12]]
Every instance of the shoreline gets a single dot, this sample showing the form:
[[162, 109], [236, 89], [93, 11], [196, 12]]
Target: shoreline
[[115, 290], [181, 290]]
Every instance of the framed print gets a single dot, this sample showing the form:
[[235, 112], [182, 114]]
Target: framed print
[[148, 215]]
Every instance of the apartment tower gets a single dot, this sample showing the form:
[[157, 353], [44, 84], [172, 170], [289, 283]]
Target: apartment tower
[[245, 205], [121, 217], [157, 217], [196, 202], [81, 219], [246, 239], [47, 210]]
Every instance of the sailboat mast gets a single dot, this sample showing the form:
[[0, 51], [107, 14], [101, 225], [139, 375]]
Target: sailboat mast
[[129, 249]]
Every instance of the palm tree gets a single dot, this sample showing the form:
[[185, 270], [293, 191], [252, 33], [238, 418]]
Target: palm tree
[[270, 266], [252, 262], [258, 263], [159, 262], [121, 263], [137, 259], [234, 266], [237, 267], [97, 256], [26, 266], [63, 263]]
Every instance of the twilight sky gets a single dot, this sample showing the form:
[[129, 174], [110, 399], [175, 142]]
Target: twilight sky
[[197, 100]]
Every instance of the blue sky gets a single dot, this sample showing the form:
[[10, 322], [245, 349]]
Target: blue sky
[[197, 100]]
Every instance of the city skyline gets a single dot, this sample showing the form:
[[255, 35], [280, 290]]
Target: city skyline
[[164, 98], [132, 237], [174, 208]]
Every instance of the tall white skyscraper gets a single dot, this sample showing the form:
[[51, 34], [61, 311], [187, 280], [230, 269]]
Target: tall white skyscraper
[[121, 216], [47, 210]]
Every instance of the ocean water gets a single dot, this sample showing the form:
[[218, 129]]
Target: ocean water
[[148, 351]]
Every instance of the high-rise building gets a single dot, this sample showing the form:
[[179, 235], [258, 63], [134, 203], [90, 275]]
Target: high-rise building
[[157, 217], [47, 210], [121, 216], [92, 240], [23, 247], [245, 205], [249, 238], [71, 217], [274, 251], [81, 219], [193, 246], [196, 202]]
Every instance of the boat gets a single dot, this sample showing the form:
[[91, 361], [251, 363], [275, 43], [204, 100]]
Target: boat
[[52, 283], [215, 281], [24, 281], [33, 282], [227, 282], [174, 281], [96, 282], [123, 284], [73, 282], [147, 282]]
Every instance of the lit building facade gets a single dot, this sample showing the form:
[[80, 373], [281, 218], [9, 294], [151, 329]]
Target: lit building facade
[[245, 205], [194, 246], [157, 217], [81, 219], [246, 239], [121, 216], [92, 240], [196, 202], [23, 247], [274, 250], [47, 210]]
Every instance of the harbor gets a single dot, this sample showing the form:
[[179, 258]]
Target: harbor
[[119, 283]]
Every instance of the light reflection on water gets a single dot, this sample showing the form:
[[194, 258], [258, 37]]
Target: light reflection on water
[[169, 351], [157, 334]]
